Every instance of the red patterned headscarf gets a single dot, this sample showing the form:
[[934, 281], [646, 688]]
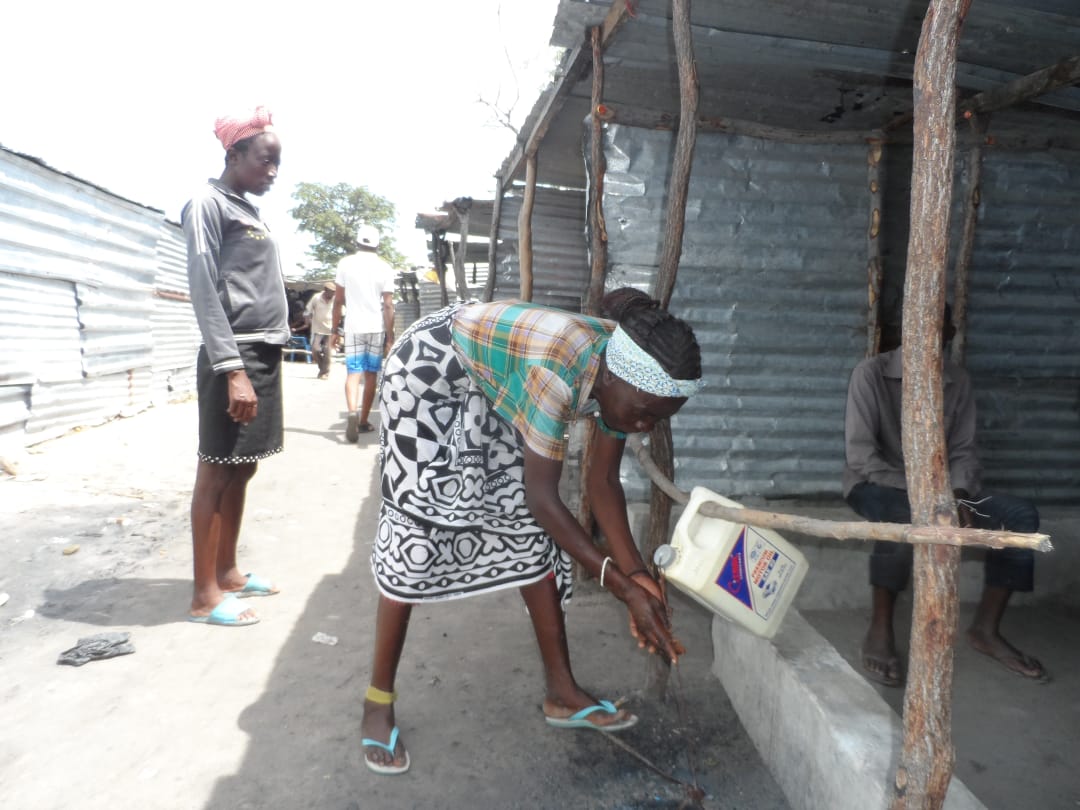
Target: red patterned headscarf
[[231, 129]]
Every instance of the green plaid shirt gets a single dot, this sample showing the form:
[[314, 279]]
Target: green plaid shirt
[[535, 364]]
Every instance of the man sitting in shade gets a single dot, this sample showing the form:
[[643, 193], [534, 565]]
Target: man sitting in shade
[[875, 486]]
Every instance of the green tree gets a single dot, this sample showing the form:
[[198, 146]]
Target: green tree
[[332, 215]]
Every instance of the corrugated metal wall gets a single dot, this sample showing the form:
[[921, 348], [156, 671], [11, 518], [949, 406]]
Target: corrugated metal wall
[[176, 336], [772, 278], [431, 296], [78, 269], [560, 257], [1023, 312], [1023, 316]]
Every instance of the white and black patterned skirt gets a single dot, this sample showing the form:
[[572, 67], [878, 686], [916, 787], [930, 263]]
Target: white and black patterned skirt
[[453, 521]]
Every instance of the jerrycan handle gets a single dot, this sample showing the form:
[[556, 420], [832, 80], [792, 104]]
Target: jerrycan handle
[[687, 530]]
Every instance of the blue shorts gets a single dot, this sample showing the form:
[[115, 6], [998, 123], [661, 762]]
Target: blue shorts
[[363, 352]]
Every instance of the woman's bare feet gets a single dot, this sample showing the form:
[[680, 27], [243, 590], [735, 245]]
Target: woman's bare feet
[[203, 607], [556, 707]]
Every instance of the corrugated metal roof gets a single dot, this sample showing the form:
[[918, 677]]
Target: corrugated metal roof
[[808, 65]]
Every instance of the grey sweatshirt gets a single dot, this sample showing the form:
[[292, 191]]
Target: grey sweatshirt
[[234, 275]]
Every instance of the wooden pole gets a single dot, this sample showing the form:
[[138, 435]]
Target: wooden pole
[[438, 244], [462, 206], [675, 216], [842, 529], [1026, 88], [525, 249], [962, 270], [598, 248], [662, 448], [493, 240], [873, 248], [597, 227], [927, 756], [674, 222]]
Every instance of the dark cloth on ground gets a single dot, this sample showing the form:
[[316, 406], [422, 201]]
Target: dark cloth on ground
[[223, 441], [96, 647]]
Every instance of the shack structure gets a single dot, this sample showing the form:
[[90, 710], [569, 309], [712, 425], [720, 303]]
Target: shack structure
[[796, 222], [771, 153], [94, 304]]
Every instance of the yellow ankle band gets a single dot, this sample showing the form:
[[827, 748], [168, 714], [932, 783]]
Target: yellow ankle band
[[376, 695]]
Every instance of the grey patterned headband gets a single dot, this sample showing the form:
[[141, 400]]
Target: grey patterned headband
[[631, 363]]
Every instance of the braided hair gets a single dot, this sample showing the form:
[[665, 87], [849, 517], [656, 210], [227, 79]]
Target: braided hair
[[669, 340]]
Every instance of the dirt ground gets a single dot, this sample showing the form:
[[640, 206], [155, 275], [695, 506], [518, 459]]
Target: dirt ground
[[265, 717]]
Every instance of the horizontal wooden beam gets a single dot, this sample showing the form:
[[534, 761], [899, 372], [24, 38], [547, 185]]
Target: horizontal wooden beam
[[843, 530], [1064, 73]]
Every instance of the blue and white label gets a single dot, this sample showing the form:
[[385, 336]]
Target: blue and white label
[[756, 572]]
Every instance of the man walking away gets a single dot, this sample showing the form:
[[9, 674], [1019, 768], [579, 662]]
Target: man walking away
[[365, 283]]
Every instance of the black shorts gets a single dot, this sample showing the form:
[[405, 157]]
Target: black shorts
[[223, 441]]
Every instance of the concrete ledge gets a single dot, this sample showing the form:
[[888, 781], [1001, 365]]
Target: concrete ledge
[[827, 736]]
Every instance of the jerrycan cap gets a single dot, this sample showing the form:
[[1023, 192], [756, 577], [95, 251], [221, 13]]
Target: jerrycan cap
[[664, 556]]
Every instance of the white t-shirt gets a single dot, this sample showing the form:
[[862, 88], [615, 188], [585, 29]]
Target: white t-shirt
[[365, 276]]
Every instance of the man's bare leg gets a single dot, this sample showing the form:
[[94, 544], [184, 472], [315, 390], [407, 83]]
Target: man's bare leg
[[879, 656]]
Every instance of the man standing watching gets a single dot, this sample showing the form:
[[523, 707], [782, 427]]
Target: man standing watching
[[319, 313], [365, 283]]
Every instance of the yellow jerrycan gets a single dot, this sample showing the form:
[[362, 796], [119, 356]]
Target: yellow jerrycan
[[745, 574]]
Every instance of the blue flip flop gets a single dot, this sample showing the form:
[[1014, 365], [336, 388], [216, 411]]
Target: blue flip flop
[[255, 586], [580, 719], [226, 613], [389, 748]]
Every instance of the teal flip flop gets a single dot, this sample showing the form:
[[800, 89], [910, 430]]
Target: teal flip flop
[[255, 586], [389, 748], [580, 719], [226, 613]]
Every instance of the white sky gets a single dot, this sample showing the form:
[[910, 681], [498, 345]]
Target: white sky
[[124, 94]]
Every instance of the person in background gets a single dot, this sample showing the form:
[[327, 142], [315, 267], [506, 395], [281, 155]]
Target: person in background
[[875, 486], [320, 314], [238, 294], [365, 282], [475, 401]]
